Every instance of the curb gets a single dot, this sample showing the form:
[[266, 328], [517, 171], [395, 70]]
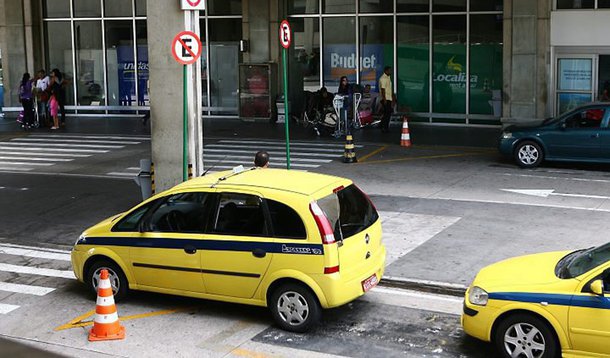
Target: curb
[[443, 288]]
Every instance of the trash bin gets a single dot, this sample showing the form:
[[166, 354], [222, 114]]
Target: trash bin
[[496, 102], [281, 111], [143, 179]]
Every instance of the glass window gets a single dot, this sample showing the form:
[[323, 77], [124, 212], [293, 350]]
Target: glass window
[[305, 59], [89, 62], [376, 6], [486, 5], [131, 221], [302, 7], [603, 75], [603, 4], [376, 49], [338, 6], [575, 4], [56, 8], [142, 53], [349, 211], [448, 5], [240, 214], [223, 7], [184, 213], [575, 74], [117, 8], [449, 64], [140, 7], [120, 63], [412, 5], [413, 56], [223, 67], [286, 222], [486, 64], [87, 8], [59, 53], [590, 118], [339, 51]]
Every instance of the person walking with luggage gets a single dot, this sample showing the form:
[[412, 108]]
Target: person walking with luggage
[[25, 97], [387, 98]]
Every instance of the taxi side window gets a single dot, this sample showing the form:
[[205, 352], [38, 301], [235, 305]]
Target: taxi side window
[[239, 215], [181, 213], [286, 222], [606, 278], [132, 220]]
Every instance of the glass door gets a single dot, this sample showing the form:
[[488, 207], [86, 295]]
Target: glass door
[[575, 82]]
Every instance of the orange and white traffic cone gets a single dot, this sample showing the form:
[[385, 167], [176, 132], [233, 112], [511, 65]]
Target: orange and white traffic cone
[[106, 324], [405, 137]]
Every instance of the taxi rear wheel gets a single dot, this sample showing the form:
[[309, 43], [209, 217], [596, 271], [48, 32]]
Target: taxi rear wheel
[[524, 335], [118, 281], [295, 308]]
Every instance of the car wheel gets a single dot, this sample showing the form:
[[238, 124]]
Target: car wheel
[[528, 154], [295, 308], [118, 281], [524, 335]]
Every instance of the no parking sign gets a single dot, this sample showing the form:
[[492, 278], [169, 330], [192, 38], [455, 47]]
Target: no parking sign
[[186, 47]]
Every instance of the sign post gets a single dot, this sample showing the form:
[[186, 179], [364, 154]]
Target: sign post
[[186, 49], [285, 39]]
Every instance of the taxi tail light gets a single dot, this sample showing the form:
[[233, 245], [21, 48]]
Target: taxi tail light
[[329, 270], [326, 231]]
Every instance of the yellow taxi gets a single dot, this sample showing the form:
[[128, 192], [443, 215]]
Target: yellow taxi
[[543, 305], [293, 241]]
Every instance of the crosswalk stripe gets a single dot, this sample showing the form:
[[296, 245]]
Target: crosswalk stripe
[[6, 308], [89, 136], [122, 174], [25, 163], [52, 155], [25, 289], [37, 271], [46, 140], [37, 159], [277, 162], [133, 168], [37, 248], [292, 153], [50, 150], [3, 167], [34, 253], [220, 156], [279, 146], [307, 144], [17, 145]]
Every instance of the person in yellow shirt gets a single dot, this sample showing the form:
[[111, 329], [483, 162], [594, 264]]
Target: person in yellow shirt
[[387, 98]]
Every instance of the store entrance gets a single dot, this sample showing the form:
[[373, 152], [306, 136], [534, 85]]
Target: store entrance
[[224, 61], [581, 79]]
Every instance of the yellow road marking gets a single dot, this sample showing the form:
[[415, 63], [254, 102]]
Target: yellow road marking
[[80, 320], [241, 352], [377, 151], [424, 157]]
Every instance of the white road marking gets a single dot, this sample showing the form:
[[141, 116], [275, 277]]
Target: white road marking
[[250, 158], [404, 232], [36, 159], [306, 144], [1, 187], [41, 141], [24, 163], [16, 145], [546, 193], [51, 155], [133, 168], [556, 178], [50, 150], [278, 153], [416, 300], [12, 169], [88, 136], [37, 271], [277, 162], [25, 289], [254, 148], [513, 203], [34, 248], [122, 174], [34, 253], [6, 308]]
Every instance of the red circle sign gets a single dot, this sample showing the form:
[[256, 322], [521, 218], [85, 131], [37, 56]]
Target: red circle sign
[[285, 34], [186, 47]]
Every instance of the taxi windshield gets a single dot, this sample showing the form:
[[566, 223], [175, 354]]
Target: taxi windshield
[[581, 261]]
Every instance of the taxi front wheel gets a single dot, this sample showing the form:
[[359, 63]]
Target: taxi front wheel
[[524, 335], [295, 308], [118, 281]]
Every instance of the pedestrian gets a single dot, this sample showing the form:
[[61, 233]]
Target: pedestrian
[[54, 108], [58, 83], [25, 97], [261, 159], [387, 98], [42, 96], [345, 89]]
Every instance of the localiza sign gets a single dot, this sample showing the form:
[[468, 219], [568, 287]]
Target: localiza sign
[[192, 4]]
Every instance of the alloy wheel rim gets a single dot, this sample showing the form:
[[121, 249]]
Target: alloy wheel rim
[[293, 308], [524, 340], [115, 283], [528, 154]]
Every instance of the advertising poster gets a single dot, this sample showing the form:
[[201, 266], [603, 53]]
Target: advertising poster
[[340, 60], [126, 74], [575, 74]]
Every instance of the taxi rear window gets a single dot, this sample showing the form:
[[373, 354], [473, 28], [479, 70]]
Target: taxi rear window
[[349, 211]]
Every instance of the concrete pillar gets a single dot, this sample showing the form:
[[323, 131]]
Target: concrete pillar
[[526, 59], [165, 76], [15, 58]]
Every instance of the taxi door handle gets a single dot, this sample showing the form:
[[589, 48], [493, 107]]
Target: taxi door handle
[[260, 253], [190, 249]]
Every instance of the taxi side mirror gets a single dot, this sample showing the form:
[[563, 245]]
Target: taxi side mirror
[[597, 287]]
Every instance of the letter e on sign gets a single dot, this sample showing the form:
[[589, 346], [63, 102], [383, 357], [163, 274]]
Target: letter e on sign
[[186, 47], [285, 34]]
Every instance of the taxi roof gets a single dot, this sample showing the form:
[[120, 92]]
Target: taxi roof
[[280, 179]]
